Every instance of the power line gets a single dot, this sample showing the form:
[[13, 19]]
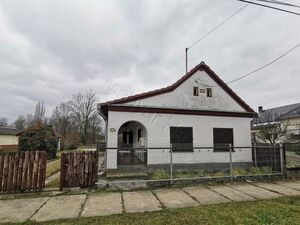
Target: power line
[[218, 26], [210, 32], [260, 68], [280, 3], [271, 7]]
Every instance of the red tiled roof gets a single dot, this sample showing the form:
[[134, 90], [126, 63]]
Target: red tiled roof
[[202, 67]]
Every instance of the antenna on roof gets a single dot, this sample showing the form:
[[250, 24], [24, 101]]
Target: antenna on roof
[[186, 60]]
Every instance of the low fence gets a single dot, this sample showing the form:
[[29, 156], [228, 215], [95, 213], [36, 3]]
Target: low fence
[[169, 164], [22, 171], [78, 169]]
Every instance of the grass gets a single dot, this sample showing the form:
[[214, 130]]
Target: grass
[[284, 211], [54, 183], [163, 174], [52, 167]]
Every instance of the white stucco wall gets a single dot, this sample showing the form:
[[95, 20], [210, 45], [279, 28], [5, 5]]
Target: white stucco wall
[[182, 97], [158, 135]]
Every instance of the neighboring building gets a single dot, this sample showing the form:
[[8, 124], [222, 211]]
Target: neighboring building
[[8, 139], [199, 110], [283, 122]]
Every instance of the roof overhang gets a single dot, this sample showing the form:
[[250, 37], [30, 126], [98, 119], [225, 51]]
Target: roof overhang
[[119, 108]]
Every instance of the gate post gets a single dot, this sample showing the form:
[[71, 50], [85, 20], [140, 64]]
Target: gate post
[[171, 164], [230, 161], [62, 171], [282, 161]]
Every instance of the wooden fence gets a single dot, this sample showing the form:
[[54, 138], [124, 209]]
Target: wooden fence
[[22, 171], [78, 169]]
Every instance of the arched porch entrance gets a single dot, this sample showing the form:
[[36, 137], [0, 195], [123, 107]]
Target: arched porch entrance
[[132, 144]]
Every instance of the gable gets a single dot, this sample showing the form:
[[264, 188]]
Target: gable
[[180, 95]]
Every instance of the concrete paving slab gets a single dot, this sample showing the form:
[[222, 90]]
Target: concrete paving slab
[[294, 185], [205, 196], [60, 207], [140, 201], [231, 193], [254, 191], [175, 198], [103, 204], [19, 210], [285, 190]]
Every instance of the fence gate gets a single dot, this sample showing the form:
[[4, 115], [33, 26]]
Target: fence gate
[[78, 169], [22, 171]]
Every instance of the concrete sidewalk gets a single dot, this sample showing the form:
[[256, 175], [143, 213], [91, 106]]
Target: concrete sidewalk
[[99, 204]]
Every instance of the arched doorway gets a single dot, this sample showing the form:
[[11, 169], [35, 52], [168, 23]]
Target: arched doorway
[[132, 143]]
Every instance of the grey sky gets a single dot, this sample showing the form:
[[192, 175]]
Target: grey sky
[[51, 49]]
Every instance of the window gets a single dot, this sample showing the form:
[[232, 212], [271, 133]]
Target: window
[[196, 91], [222, 138], [209, 92], [181, 139]]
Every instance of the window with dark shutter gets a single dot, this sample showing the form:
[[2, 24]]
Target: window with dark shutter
[[181, 139], [223, 137]]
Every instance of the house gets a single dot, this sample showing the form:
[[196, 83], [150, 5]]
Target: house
[[280, 124], [199, 110], [8, 139]]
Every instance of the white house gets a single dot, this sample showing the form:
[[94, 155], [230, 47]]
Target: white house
[[199, 110]]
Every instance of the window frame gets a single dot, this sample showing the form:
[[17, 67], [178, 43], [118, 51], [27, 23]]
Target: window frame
[[179, 146], [223, 149]]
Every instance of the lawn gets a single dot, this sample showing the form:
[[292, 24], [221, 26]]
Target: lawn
[[279, 211]]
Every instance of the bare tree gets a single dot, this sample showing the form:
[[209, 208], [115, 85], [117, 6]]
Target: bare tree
[[39, 113], [83, 107], [20, 122], [61, 119], [3, 121], [271, 129]]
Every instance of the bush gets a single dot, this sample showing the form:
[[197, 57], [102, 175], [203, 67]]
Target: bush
[[39, 138], [239, 172]]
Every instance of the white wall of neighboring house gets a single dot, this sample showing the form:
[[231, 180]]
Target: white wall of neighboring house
[[9, 140]]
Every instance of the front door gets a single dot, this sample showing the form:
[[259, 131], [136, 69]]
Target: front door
[[127, 139]]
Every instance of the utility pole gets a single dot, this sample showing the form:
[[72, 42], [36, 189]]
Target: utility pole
[[186, 60]]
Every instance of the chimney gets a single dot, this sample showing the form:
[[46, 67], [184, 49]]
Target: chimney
[[260, 109]]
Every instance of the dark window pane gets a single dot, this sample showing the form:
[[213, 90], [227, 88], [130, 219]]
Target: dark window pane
[[222, 138], [181, 138], [209, 92], [196, 91]]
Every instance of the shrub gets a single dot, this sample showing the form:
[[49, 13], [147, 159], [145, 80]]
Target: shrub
[[39, 138], [239, 172], [160, 175]]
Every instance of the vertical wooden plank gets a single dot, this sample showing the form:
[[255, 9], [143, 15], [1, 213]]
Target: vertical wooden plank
[[30, 170], [20, 171], [35, 171], [44, 168], [10, 172], [5, 173], [15, 172], [1, 169], [23, 182], [62, 171], [40, 171]]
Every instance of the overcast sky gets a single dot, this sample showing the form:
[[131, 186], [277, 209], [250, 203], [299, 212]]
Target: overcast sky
[[52, 49]]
